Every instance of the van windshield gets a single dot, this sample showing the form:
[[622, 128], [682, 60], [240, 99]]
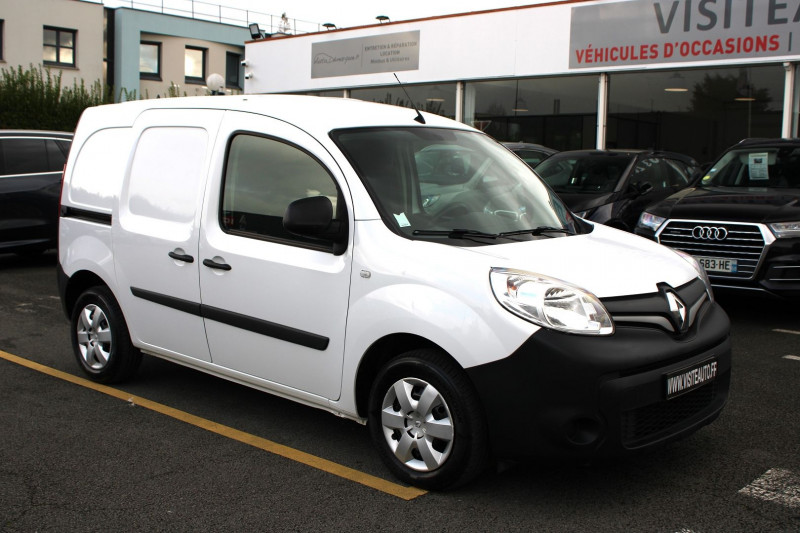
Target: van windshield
[[437, 183]]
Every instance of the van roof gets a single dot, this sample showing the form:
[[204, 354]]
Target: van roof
[[315, 114]]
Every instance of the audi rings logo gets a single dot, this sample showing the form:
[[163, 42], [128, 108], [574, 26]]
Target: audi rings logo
[[709, 233]]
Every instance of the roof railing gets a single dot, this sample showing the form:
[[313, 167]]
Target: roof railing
[[199, 10]]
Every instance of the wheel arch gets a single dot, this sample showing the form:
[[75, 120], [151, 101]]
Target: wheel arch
[[76, 285], [381, 352]]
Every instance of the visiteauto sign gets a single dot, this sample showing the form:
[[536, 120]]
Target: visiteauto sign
[[668, 31]]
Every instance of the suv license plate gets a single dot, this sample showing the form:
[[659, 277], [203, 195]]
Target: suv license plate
[[718, 264], [688, 379]]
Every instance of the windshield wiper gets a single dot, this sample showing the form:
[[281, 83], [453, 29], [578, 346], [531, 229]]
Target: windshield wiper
[[457, 233], [541, 230]]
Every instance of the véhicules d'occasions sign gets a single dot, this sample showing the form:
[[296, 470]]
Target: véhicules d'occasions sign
[[674, 31]]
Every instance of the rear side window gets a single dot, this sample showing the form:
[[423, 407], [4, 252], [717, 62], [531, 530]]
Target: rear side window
[[262, 177], [32, 156]]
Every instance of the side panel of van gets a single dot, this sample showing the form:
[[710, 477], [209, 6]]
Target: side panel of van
[[275, 303], [156, 231]]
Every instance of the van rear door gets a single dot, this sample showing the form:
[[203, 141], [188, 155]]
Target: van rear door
[[156, 231]]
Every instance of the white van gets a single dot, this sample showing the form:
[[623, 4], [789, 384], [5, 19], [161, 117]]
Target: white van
[[401, 270]]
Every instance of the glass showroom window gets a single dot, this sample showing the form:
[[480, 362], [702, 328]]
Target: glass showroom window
[[439, 99], [150, 60], [557, 112], [195, 65], [59, 47], [696, 112]]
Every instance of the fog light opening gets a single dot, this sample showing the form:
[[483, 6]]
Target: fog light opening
[[583, 431]]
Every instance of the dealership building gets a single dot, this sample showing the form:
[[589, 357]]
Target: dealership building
[[691, 76]]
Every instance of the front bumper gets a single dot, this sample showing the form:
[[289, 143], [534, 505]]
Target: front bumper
[[582, 397]]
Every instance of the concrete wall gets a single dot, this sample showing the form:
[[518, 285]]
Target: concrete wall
[[23, 35], [172, 65], [131, 27]]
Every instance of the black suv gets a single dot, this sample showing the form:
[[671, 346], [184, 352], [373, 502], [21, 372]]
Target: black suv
[[741, 220], [31, 164], [613, 187]]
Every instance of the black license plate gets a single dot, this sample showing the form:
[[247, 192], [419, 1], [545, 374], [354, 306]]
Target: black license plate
[[688, 379]]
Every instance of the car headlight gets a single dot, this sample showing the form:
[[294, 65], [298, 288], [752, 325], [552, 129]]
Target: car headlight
[[701, 272], [783, 230], [650, 221], [550, 302]]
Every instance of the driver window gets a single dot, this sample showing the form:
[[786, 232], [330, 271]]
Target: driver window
[[262, 177]]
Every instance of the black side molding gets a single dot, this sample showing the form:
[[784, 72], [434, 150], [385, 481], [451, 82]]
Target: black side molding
[[237, 320], [85, 214], [168, 301]]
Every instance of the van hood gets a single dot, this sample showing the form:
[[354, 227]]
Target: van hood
[[606, 262], [735, 204]]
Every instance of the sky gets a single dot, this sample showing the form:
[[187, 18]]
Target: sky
[[342, 13]]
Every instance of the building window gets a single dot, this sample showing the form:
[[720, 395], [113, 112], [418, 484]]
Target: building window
[[439, 99], [232, 68], [150, 60], [195, 65], [1, 39], [59, 47], [698, 112], [558, 112]]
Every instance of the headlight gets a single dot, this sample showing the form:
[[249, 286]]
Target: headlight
[[550, 303], [701, 272], [651, 222], [783, 230]]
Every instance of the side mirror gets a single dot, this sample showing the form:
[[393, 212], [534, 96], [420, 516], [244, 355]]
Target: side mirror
[[641, 188], [313, 217], [309, 217]]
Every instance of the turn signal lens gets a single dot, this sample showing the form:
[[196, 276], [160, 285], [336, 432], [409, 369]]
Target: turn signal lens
[[649, 221], [784, 230]]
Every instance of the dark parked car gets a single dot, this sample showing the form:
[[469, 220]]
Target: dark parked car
[[613, 187], [31, 164], [741, 220], [532, 154]]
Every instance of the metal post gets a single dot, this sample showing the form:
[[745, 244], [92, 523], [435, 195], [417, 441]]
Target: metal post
[[602, 110], [788, 101], [460, 101]]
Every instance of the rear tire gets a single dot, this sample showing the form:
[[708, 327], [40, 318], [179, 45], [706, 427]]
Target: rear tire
[[100, 338], [426, 421]]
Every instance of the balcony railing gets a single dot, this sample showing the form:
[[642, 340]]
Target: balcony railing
[[199, 10]]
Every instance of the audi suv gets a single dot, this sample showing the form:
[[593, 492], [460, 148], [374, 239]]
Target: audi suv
[[741, 221]]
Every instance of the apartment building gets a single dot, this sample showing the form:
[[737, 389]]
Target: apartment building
[[140, 53]]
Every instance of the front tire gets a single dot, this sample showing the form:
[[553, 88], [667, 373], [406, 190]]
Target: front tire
[[100, 338], [426, 422]]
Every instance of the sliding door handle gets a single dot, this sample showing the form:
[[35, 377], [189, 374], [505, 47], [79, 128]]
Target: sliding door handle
[[186, 258], [210, 263]]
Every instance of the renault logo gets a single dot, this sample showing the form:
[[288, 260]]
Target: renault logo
[[677, 310], [709, 233]]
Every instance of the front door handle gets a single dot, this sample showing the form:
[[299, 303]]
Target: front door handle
[[186, 258], [210, 263]]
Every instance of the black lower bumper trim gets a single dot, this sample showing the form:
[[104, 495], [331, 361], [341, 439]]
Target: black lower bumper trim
[[565, 395]]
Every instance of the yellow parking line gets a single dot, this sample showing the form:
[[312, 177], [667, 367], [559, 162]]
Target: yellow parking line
[[393, 489]]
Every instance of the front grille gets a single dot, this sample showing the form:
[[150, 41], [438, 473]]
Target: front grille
[[642, 425], [743, 243]]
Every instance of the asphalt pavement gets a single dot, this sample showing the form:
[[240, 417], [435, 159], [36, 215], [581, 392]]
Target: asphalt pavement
[[177, 450]]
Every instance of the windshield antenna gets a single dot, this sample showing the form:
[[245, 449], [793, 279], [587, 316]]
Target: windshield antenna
[[419, 118]]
